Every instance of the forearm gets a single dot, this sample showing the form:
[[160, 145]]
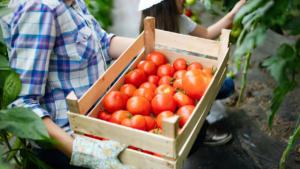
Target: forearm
[[118, 45], [215, 30], [61, 136]]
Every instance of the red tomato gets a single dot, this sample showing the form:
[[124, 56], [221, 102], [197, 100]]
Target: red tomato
[[157, 58], [118, 116], [179, 131], [195, 65], [138, 105], [165, 70], [136, 122], [194, 83], [179, 74], [148, 67], [149, 85], [156, 131], [153, 79], [92, 136], [105, 139], [164, 88], [114, 100], [185, 112], [179, 64], [165, 80], [104, 115], [158, 155], [136, 77], [145, 151], [209, 72], [133, 148], [144, 92], [177, 84], [182, 100], [151, 123], [163, 102], [128, 89], [161, 116], [188, 13]]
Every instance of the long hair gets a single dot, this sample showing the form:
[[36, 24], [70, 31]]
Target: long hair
[[166, 16]]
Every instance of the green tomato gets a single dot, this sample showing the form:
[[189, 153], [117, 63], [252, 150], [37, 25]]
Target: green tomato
[[230, 74], [190, 2], [194, 18], [236, 33]]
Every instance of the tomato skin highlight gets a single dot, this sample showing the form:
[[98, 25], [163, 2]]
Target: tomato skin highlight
[[165, 80], [151, 123], [194, 83], [136, 122], [148, 67], [114, 100], [179, 64], [165, 70], [157, 58], [185, 112], [164, 88], [153, 79], [144, 92], [103, 115], [195, 65], [182, 100], [161, 116], [128, 89], [136, 77], [179, 74], [138, 105], [163, 102], [149, 85], [118, 116]]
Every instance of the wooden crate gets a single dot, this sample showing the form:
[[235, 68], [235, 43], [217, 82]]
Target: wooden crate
[[173, 147]]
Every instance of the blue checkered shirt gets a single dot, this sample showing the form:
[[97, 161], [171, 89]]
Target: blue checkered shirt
[[55, 49]]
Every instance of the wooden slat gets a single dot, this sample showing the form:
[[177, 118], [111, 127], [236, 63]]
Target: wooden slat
[[137, 138], [205, 100], [186, 148], [172, 56], [117, 85], [149, 29], [170, 129], [224, 43], [187, 43], [72, 102], [141, 160], [100, 86]]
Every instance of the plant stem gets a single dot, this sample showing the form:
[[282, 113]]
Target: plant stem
[[248, 56], [288, 148], [9, 147]]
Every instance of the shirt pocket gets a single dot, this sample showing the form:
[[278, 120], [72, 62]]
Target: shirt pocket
[[85, 44]]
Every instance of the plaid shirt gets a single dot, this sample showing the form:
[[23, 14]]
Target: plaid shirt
[[55, 49]]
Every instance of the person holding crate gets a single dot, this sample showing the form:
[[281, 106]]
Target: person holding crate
[[169, 17]]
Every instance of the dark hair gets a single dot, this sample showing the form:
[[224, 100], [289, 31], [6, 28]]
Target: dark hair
[[166, 16]]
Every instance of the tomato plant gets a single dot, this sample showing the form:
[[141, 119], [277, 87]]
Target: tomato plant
[[144, 92], [118, 116], [194, 83], [179, 64], [149, 85], [136, 77], [163, 102], [164, 88], [157, 58], [114, 100], [161, 116], [148, 67], [165, 70], [138, 105], [185, 112], [153, 79], [136, 122], [128, 89], [195, 65]]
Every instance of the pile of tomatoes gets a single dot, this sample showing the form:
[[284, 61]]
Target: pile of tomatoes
[[154, 91]]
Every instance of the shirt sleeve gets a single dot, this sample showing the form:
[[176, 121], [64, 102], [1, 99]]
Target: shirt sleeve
[[190, 23], [32, 40]]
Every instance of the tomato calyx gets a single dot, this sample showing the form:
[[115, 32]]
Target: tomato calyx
[[179, 117], [139, 150], [103, 109], [180, 90], [187, 64], [213, 70], [130, 70], [129, 115], [172, 80]]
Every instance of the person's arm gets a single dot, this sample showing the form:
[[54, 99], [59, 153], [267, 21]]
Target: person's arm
[[118, 45], [214, 30]]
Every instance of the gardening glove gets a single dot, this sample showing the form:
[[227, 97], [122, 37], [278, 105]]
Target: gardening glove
[[96, 154]]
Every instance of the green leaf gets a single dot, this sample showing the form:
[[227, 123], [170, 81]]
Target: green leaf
[[247, 8], [277, 70], [1, 36], [3, 61], [24, 123], [2, 165], [11, 89], [297, 46], [31, 157], [208, 4], [285, 51]]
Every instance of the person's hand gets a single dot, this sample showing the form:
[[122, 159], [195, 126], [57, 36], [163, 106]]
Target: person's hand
[[238, 6], [96, 154]]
